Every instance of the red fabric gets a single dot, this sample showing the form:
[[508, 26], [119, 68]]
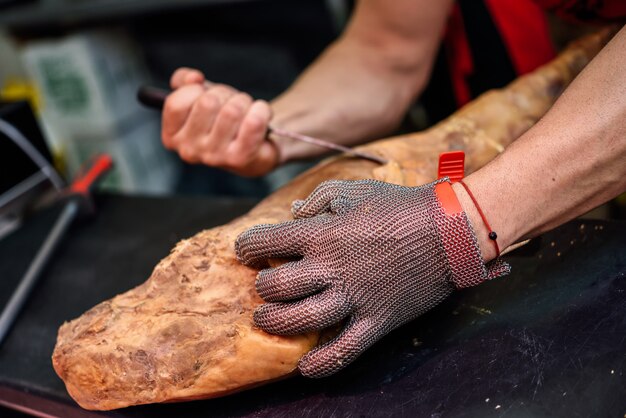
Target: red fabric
[[524, 29], [459, 56]]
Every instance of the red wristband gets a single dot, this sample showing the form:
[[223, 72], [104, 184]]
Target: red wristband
[[492, 234]]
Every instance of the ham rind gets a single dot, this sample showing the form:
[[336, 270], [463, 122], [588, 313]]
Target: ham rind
[[187, 332]]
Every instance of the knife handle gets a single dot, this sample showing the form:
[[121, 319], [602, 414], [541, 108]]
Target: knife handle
[[152, 97]]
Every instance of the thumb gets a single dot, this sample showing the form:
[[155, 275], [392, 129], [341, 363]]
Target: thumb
[[329, 358], [319, 200]]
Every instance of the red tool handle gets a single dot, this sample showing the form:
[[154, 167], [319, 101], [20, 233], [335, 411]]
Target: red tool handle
[[152, 97], [84, 181]]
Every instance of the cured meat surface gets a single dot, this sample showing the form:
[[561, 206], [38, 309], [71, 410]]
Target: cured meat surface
[[187, 332]]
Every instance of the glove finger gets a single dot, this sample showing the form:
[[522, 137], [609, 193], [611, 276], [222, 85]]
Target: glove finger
[[319, 200], [288, 239], [329, 358], [334, 196], [293, 280], [313, 313]]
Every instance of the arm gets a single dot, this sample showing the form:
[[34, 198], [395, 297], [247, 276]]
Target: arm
[[359, 88], [573, 160]]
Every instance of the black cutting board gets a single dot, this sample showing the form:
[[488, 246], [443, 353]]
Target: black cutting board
[[548, 340]]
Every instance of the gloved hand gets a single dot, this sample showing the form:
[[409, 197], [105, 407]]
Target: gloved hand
[[375, 253], [217, 125]]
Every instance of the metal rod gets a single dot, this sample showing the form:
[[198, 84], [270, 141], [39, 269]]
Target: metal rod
[[326, 144], [20, 295]]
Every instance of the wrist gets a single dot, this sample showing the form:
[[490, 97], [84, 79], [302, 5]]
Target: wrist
[[487, 248], [288, 118], [287, 149], [466, 260]]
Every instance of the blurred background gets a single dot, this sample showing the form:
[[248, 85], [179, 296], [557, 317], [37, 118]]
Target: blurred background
[[79, 64]]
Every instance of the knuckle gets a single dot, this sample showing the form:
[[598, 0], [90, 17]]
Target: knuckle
[[328, 187], [265, 287], [175, 140], [187, 154], [256, 123], [179, 139], [183, 156], [206, 159], [277, 283], [222, 89], [296, 207], [236, 160], [192, 74], [260, 316], [166, 138], [244, 98], [332, 184], [177, 75], [231, 112], [240, 247], [313, 365], [340, 205], [169, 144], [174, 107], [210, 159], [208, 103]]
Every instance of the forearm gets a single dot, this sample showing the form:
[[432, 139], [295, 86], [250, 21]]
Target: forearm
[[342, 98], [361, 86], [573, 160]]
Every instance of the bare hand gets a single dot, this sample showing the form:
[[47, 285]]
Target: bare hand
[[217, 125]]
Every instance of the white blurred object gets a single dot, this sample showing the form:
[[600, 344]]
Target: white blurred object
[[10, 64], [88, 82]]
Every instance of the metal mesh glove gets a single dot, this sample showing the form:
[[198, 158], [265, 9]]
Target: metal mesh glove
[[375, 253]]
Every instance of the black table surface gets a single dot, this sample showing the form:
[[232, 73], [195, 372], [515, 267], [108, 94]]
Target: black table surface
[[548, 340]]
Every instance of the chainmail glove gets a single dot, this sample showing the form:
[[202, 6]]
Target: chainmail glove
[[374, 253]]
